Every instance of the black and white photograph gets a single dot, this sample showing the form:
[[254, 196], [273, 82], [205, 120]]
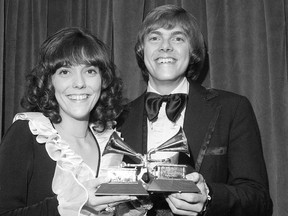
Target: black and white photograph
[[143, 107]]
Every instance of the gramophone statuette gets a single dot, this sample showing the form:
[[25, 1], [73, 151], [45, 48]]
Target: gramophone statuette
[[153, 175]]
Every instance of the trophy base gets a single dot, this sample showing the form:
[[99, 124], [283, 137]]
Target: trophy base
[[172, 186], [116, 189]]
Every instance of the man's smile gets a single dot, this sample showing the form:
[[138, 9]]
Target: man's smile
[[165, 60]]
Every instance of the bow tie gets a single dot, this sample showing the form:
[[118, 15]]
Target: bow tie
[[175, 105]]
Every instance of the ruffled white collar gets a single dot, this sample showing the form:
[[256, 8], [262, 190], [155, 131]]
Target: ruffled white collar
[[71, 171]]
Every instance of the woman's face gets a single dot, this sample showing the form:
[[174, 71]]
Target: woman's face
[[77, 90]]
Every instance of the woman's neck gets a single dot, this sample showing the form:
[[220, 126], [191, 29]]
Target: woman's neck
[[75, 128], [80, 139]]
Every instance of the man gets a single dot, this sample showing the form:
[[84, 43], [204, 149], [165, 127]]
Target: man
[[221, 128]]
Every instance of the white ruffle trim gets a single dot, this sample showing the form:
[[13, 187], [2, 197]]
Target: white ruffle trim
[[71, 171]]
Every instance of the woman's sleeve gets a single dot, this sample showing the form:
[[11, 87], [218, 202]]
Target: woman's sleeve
[[16, 168]]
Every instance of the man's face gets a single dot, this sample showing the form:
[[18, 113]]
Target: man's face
[[166, 56]]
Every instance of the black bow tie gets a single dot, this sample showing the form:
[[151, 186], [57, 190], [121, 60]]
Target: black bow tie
[[175, 105]]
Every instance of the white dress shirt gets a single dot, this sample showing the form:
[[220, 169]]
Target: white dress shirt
[[163, 129]]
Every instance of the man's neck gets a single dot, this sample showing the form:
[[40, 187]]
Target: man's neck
[[166, 88]]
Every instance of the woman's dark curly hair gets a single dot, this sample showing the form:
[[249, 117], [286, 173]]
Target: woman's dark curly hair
[[73, 46], [167, 17]]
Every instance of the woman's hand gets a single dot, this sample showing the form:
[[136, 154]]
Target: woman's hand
[[189, 203], [137, 207], [99, 203]]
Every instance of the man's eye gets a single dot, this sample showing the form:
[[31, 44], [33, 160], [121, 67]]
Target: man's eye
[[179, 39], [92, 71], [153, 38]]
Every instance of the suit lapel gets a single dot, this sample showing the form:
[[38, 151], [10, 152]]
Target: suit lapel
[[198, 116], [132, 130]]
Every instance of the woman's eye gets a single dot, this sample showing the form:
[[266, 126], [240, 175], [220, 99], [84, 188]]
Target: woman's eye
[[63, 72]]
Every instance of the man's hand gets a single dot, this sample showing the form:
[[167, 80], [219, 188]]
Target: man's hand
[[189, 203]]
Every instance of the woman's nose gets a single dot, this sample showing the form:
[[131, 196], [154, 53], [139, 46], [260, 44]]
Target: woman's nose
[[79, 81]]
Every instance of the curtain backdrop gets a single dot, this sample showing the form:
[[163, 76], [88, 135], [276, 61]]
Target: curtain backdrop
[[246, 40]]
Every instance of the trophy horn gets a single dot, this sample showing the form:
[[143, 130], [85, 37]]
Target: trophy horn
[[117, 145], [177, 143]]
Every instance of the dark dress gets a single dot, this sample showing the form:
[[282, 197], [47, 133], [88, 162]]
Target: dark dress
[[40, 174], [26, 174]]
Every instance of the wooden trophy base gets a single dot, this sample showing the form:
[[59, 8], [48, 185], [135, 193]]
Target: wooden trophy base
[[172, 186], [116, 189]]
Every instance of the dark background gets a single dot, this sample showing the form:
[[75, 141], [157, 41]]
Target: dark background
[[247, 46]]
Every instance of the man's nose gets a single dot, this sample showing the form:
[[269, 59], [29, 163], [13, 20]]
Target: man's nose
[[166, 46], [79, 81]]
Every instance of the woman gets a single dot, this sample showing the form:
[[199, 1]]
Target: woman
[[50, 155]]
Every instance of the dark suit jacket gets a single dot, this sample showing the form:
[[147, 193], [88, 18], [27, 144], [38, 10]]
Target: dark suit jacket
[[224, 144]]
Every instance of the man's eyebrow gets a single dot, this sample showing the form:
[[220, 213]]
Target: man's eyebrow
[[155, 32], [173, 33], [179, 33]]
